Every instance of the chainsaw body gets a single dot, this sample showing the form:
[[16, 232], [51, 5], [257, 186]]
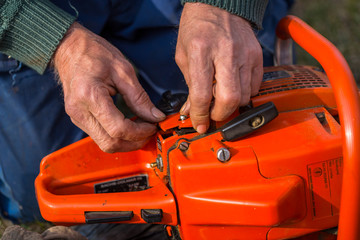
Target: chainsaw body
[[281, 181]]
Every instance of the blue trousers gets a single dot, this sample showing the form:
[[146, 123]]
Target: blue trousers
[[33, 122]]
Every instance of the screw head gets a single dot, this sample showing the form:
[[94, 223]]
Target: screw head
[[183, 117], [257, 121], [223, 154], [183, 146], [159, 163], [153, 165]]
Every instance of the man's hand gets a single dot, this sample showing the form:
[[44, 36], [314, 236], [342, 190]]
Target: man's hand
[[216, 47], [91, 71]]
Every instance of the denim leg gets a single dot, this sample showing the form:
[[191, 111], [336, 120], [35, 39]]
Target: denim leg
[[33, 123], [146, 32], [275, 10]]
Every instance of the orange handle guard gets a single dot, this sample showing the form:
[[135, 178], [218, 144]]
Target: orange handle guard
[[347, 100]]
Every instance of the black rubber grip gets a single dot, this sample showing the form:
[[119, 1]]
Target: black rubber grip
[[106, 217]]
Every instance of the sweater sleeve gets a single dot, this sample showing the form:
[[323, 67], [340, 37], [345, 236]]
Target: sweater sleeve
[[30, 30], [251, 10]]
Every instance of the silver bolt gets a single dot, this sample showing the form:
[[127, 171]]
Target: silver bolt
[[159, 163], [184, 146], [153, 165], [183, 117], [223, 154]]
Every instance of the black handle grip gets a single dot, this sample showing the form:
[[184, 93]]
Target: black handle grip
[[249, 121], [106, 217]]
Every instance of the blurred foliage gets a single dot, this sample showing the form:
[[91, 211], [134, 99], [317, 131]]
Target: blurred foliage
[[338, 21]]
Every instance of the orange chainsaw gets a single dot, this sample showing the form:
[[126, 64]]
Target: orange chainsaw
[[280, 169]]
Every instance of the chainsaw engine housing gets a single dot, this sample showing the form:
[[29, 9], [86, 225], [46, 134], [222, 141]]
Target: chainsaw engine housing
[[281, 181]]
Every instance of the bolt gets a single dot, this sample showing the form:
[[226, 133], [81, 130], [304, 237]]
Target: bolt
[[183, 117], [184, 146], [153, 165], [256, 122], [159, 163], [223, 154]]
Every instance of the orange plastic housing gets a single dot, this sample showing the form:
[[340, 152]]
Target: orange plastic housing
[[281, 182]]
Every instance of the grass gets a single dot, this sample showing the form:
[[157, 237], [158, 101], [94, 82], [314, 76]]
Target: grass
[[338, 21]]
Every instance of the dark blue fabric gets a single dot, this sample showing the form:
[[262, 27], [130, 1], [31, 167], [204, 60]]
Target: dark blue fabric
[[275, 10], [33, 122]]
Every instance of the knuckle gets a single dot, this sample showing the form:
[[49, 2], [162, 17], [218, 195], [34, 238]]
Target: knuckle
[[127, 68], [180, 59], [199, 117], [116, 132], [231, 99], [141, 98], [199, 44], [82, 94], [71, 108], [108, 147]]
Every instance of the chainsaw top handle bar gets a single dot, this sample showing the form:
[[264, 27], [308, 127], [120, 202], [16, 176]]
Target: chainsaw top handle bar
[[347, 100]]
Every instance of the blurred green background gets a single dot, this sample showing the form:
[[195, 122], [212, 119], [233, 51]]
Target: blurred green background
[[338, 21]]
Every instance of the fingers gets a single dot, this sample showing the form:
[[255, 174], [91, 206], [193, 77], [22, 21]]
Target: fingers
[[92, 109], [233, 88], [198, 71], [91, 71], [134, 95], [257, 77], [228, 89], [114, 122], [185, 109], [107, 143]]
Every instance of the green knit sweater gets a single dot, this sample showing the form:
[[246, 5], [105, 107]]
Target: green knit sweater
[[30, 30]]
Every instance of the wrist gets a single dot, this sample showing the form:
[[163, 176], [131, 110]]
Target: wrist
[[63, 48], [251, 10]]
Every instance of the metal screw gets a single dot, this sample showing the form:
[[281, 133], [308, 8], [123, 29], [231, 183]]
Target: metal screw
[[256, 122], [184, 146], [159, 163], [223, 154], [153, 165], [183, 117]]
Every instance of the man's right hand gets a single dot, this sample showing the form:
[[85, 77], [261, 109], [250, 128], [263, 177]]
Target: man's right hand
[[91, 71]]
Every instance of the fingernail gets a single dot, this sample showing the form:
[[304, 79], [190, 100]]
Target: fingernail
[[157, 113], [201, 129]]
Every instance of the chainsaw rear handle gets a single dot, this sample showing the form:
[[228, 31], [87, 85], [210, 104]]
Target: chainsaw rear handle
[[67, 180], [347, 100]]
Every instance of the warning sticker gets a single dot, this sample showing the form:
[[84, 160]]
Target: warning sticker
[[130, 184], [325, 186]]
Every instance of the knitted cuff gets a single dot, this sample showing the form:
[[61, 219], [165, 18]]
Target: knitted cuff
[[251, 10], [34, 33]]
